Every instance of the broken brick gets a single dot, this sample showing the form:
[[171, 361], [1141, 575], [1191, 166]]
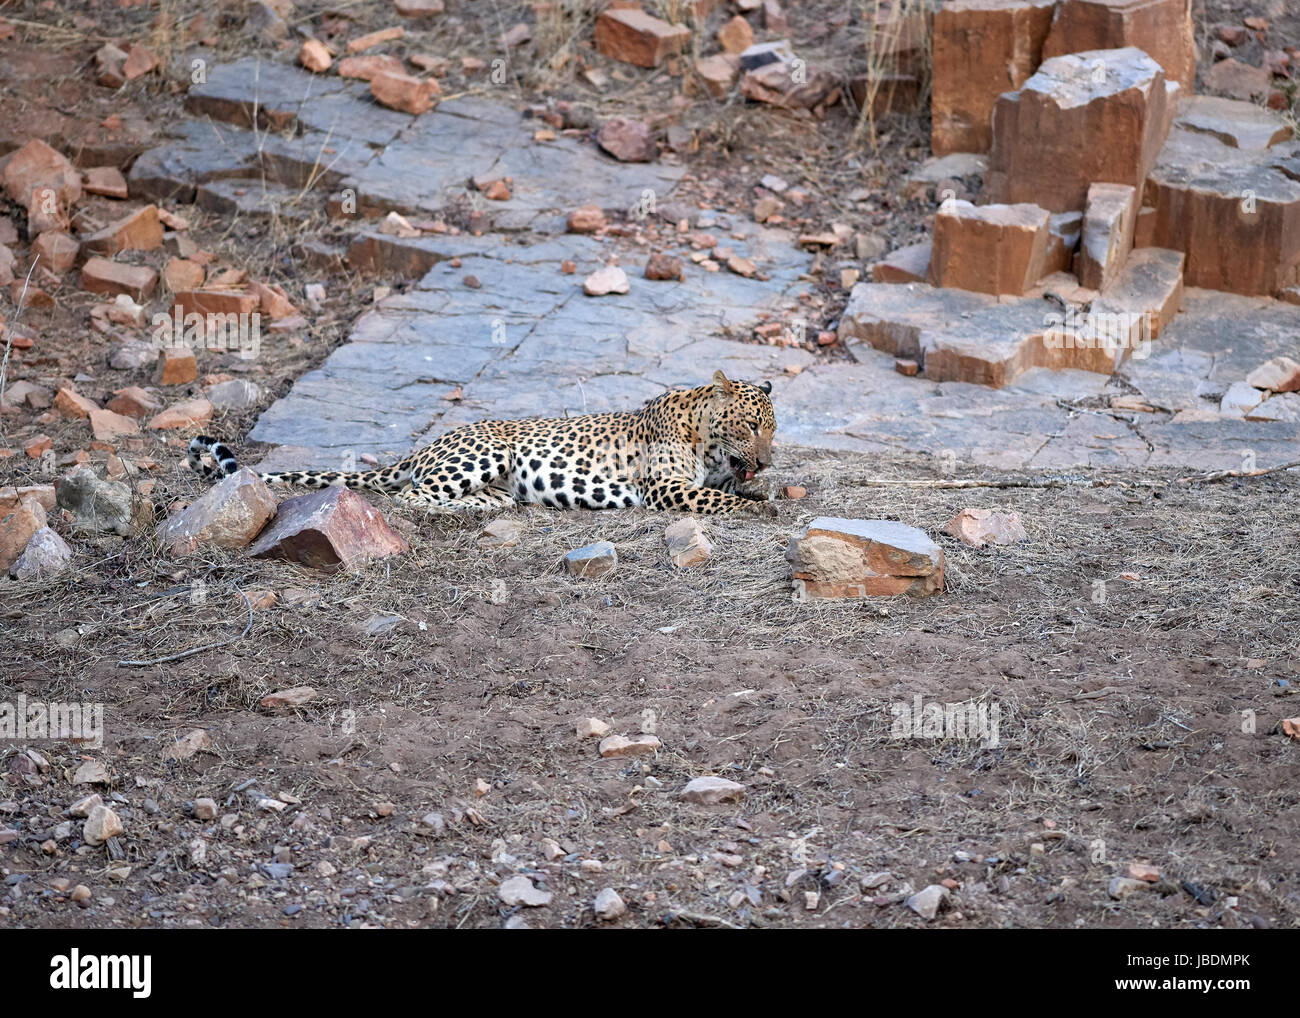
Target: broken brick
[[99, 275], [140, 231], [634, 37]]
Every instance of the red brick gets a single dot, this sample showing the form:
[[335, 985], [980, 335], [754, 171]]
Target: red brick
[[99, 275], [634, 37], [140, 231]]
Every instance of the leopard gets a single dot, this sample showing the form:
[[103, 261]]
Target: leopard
[[698, 450]]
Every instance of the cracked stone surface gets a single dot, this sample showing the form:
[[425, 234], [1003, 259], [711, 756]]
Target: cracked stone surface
[[527, 341]]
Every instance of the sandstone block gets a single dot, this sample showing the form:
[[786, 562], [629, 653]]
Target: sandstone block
[[1234, 212], [996, 249], [329, 529], [1162, 29], [835, 558], [981, 48], [1083, 118], [1108, 222]]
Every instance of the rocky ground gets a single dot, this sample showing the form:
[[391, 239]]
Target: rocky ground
[[426, 739]]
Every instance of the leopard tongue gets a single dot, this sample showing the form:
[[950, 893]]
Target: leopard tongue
[[749, 475]]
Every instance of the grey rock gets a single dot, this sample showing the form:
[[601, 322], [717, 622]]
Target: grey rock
[[102, 506]]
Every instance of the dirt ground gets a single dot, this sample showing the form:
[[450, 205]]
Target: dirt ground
[[1141, 649]]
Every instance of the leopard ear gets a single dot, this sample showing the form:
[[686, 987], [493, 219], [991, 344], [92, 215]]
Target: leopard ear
[[722, 385], [765, 386]]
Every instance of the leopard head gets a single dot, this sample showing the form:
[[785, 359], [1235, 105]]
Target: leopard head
[[741, 425]]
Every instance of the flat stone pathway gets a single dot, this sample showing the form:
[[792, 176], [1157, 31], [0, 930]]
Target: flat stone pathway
[[527, 341]]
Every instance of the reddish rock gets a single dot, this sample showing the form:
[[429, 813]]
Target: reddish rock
[[214, 302], [16, 530], [134, 402], [1163, 29], [273, 301], [183, 274], [909, 264], [405, 92], [104, 180], [176, 366], [1236, 80], [836, 558], [620, 745], [585, 219], [717, 74], [776, 84], [981, 49], [627, 140], [44, 211], [37, 165], [1281, 374], [1234, 212], [365, 42], [329, 529], [72, 404], [99, 275], [314, 56], [1064, 230], [37, 444], [140, 60], [1107, 237], [978, 527], [365, 68], [736, 36], [906, 367], [1132, 311], [140, 231], [11, 498], [662, 266], [710, 791], [110, 66], [295, 697], [228, 515], [1083, 118], [46, 555], [109, 426], [996, 249], [57, 249], [634, 37], [182, 415]]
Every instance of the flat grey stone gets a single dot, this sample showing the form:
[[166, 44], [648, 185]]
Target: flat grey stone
[[1237, 124]]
